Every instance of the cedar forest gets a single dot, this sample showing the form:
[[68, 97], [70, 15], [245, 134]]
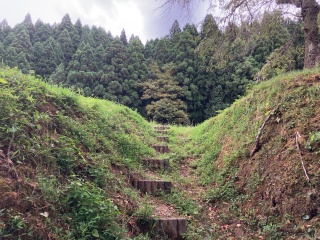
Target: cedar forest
[[204, 69]]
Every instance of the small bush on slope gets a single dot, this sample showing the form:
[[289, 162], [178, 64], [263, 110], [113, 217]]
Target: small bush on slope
[[57, 152]]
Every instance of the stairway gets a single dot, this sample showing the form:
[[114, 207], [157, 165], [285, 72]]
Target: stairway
[[159, 227]]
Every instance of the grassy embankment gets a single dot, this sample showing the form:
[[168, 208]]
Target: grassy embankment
[[268, 194], [62, 157]]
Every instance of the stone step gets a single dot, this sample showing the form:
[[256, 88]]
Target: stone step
[[162, 132], [161, 148], [163, 139], [164, 228], [164, 127], [151, 186], [156, 163]]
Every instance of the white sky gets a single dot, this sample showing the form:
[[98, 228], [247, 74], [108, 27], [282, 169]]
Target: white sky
[[138, 17]]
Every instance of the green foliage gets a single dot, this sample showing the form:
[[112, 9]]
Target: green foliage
[[59, 75], [50, 188], [14, 226], [175, 29], [313, 143], [225, 193], [144, 211], [91, 212], [67, 46], [164, 97], [222, 147], [47, 57], [185, 205], [22, 44], [279, 61], [271, 230]]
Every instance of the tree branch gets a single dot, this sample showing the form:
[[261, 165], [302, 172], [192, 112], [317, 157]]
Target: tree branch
[[257, 146], [271, 59], [296, 3]]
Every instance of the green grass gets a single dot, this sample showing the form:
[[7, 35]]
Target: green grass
[[68, 143]]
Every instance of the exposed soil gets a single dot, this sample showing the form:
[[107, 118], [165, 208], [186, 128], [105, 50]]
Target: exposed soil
[[162, 209], [210, 214]]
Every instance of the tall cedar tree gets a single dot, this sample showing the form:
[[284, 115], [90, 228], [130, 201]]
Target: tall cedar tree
[[4, 30]]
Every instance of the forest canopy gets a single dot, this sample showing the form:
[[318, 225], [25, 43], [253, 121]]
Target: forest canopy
[[252, 10], [204, 68]]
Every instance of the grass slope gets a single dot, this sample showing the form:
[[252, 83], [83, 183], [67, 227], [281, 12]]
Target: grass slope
[[267, 195], [60, 155]]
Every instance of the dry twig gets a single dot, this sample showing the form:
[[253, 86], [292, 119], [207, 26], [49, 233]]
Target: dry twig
[[9, 163], [300, 154]]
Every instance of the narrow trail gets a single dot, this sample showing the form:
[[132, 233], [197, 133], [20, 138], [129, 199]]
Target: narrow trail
[[166, 222], [208, 220]]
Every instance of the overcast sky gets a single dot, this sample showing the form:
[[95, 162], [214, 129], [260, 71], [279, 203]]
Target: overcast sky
[[142, 18]]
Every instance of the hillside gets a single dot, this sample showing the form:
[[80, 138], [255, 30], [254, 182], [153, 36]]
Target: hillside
[[66, 163], [59, 158], [252, 190]]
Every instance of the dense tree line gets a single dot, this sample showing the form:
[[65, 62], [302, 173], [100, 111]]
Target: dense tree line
[[184, 77]]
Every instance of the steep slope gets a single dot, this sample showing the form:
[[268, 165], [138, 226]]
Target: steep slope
[[63, 159], [255, 167]]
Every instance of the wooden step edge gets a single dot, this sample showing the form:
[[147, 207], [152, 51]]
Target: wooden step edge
[[156, 163], [161, 127], [163, 139], [161, 148], [151, 186], [162, 132], [167, 228], [123, 170]]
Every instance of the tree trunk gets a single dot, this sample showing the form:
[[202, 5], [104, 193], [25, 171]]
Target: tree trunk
[[310, 10]]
